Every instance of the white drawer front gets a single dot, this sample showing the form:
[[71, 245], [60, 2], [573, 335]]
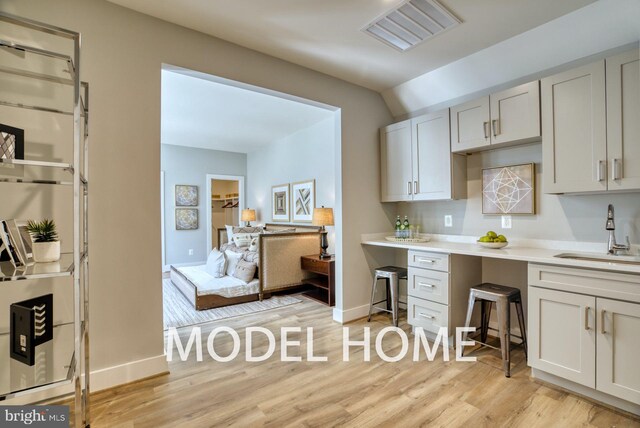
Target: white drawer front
[[435, 261], [428, 315], [428, 284]]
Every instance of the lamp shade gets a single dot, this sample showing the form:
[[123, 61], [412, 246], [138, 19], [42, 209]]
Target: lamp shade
[[322, 217], [248, 215]]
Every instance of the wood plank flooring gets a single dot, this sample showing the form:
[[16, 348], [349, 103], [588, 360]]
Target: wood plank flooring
[[336, 393]]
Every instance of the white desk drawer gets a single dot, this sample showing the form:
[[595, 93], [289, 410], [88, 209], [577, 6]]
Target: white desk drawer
[[428, 284], [428, 315], [423, 259]]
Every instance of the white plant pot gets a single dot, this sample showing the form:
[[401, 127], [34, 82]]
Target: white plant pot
[[45, 252]]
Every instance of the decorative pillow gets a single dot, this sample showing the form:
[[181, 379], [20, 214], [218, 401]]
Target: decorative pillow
[[232, 261], [232, 247], [249, 229], [229, 233], [255, 244], [251, 257], [216, 264], [245, 271], [242, 240]]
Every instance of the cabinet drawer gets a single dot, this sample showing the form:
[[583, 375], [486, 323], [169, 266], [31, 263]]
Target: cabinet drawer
[[586, 281], [428, 315], [316, 266], [428, 284], [435, 261]]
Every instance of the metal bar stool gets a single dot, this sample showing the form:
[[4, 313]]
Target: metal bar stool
[[392, 276], [503, 296]]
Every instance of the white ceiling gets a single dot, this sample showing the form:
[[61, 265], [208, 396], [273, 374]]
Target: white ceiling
[[326, 35], [199, 112]]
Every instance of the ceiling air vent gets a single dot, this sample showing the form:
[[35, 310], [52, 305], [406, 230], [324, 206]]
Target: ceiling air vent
[[411, 23]]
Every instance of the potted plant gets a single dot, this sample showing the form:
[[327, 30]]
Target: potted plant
[[46, 246]]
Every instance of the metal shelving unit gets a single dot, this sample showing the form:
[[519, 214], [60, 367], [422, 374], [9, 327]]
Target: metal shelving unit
[[66, 357]]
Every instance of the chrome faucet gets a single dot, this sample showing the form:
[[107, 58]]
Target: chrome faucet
[[613, 247]]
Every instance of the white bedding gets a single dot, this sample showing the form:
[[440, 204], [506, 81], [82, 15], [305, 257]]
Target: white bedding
[[227, 286]]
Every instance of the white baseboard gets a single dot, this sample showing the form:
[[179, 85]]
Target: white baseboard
[[348, 315], [103, 379], [128, 372]]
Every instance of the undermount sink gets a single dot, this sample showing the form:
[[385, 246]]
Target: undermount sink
[[606, 258]]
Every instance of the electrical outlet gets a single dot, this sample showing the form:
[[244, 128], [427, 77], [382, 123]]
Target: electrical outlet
[[191, 251], [448, 221], [506, 222]]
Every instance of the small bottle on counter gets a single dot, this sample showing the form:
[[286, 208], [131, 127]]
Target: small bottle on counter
[[398, 224], [405, 228]]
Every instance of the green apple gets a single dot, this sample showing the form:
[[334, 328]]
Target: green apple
[[502, 238], [492, 234]]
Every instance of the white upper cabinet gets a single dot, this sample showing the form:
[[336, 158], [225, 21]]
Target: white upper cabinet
[[417, 163], [591, 127], [515, 114], [623, 121], [507, 117], [396, 172], [574, 148], [470, 125]]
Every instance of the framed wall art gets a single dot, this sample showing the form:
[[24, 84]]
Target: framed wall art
[[186, 218], [186, 195], [280, 202], [509, 190], [303, 200], [11, 142]]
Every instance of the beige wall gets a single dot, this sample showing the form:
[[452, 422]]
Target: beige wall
[[122, 56]]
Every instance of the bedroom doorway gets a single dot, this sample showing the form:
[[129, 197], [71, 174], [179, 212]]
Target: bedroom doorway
[[225, 201]]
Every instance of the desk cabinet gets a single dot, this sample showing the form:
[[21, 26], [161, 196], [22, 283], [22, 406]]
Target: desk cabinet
[[438, 289]]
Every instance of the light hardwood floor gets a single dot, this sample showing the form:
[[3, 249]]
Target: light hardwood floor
[[336, 393]]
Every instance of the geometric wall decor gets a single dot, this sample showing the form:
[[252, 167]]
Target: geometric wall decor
[[280, 202], [304, 200], [509, 190], [186, 218]]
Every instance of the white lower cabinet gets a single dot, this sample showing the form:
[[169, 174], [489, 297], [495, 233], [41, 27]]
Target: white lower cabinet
[[618, 349], [562, 338], [590, 339]]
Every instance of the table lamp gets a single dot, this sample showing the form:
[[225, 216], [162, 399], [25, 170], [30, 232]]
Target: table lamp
[[248, 215], [323, 217]]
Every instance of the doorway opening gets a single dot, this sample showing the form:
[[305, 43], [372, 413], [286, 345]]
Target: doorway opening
[[225, 203]]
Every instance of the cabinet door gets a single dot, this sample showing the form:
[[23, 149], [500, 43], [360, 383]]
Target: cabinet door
[[574, 149], [470, 125], [432, 156], [618, 349], [623, 121], [515, 114], [562, 338], [395, 162]]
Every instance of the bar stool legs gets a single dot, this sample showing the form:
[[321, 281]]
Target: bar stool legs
[[392, 276], [503, 297]]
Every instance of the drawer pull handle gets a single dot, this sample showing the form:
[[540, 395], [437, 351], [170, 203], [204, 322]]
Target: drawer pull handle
[[421, 260], [427, 316], [425, 285], [602, 330], [586, 318]]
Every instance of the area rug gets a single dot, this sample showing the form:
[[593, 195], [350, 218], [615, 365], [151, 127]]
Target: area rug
[[179, 312]]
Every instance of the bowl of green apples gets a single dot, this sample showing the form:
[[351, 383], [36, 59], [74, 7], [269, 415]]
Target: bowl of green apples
[[493, 240]]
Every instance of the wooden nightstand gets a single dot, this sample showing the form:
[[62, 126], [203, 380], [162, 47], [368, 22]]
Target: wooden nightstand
[[324, 284]]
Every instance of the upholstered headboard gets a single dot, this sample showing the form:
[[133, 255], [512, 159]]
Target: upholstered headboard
[[222, 232]]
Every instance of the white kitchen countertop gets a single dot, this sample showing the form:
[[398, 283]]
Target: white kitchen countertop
[[531, 250]]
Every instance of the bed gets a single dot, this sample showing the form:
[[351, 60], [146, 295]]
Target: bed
[[278, 260]]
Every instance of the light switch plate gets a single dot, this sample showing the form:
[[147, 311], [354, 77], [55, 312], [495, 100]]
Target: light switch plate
[[448, 221], [506, 222], [191, 251]]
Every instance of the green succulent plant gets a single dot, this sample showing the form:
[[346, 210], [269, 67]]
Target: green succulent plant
[[42, 231]]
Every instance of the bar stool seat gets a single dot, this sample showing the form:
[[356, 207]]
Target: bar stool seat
[[502, 296], [392, 276]]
